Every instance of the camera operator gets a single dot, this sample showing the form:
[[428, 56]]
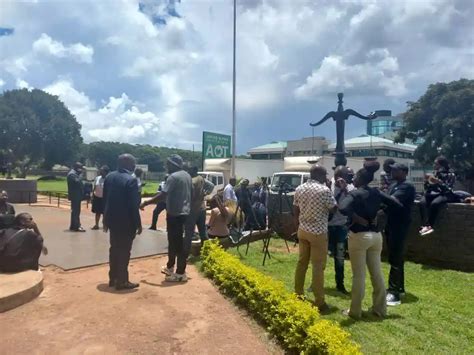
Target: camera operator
[[337, 226]]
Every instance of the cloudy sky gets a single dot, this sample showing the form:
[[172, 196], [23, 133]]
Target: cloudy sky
[[160, 72]]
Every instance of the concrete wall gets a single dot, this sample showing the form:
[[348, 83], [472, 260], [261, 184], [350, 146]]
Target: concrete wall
[[451, 245], [20, 190]]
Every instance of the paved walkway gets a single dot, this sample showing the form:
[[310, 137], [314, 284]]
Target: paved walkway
[[77, 313], [69, 250]]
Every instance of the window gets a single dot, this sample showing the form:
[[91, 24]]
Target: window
[[220, 180], [290, 182], [214, 179]]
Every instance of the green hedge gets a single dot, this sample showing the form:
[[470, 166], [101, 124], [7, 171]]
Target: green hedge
[[294, 322]]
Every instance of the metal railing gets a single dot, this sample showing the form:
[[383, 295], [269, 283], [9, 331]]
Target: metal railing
[[53, 198]]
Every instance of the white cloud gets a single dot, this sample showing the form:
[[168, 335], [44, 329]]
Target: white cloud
[[77, 51], [2, 82], [163, 75], [22, 84], [119, 118], [374, 75]]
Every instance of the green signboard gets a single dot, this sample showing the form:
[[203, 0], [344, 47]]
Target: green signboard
[[215, 146]]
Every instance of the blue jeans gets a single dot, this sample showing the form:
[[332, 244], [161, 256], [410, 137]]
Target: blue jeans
[[337, 237]]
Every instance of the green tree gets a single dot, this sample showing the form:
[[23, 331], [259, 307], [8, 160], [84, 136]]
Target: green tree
[[37, 128], [442, 121]]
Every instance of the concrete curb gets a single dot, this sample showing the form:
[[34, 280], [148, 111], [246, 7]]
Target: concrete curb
[[19, 288]]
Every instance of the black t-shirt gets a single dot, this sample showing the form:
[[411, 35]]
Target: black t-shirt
[[365, 202], [404, 192]]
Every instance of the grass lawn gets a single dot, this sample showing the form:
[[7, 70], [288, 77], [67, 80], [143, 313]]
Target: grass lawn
[[60, 185], [437, 315]]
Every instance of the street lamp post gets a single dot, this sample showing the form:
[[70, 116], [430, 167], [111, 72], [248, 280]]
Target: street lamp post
[[232, 173]]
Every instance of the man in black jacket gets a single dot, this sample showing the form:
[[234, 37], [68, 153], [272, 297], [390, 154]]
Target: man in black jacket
[[398, 223], [122, 218], [75, 192]]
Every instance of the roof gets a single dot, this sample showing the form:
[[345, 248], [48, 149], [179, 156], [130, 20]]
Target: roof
[[365, 141], [273, 147]]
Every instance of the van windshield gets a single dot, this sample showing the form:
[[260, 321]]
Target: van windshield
[[288, 182]]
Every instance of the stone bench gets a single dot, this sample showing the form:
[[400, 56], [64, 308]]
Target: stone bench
[[19, 288]]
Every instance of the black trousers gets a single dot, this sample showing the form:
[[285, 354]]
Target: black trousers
[[160, 207], [119, 255], [430, 205], [176, 250], [396, 234], [75, 213], [337, 237]]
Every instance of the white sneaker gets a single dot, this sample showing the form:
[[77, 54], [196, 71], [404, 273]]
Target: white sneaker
[[166, 271], [427, 231], [423, 230], [176, 278]]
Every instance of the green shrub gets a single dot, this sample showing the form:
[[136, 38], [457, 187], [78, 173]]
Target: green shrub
[[294, 322]]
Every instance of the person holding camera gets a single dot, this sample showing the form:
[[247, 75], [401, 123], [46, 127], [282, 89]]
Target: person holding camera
[[438, 192], [365, 240], [337, 229]]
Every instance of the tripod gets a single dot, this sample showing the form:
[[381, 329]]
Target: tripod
[[244, 198], [274, 221]]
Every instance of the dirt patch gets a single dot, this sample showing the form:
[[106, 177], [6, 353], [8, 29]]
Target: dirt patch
[[78, 313]]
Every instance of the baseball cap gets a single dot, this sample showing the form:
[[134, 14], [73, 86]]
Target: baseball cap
[[399, 166], [176, 160]]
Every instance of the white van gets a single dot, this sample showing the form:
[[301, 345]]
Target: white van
[[217, 178], [288, 181]]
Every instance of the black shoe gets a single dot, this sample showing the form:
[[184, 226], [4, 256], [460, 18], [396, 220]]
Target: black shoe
[[111, 283], [343, 290], [152, 228], [393, 300], [324, 309], [126, 286]]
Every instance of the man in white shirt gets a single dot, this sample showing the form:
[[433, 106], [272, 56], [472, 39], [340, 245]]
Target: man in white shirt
[[229, 193]]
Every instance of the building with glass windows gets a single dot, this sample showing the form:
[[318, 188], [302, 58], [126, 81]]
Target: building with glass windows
[[385, 125], [271, 151]]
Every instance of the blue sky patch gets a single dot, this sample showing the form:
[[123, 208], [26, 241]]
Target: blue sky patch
[[4, 31]]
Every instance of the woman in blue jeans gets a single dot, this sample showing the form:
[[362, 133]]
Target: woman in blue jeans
[[365, 240]]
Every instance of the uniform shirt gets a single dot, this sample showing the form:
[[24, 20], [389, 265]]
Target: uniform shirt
[[365, 202], [99, 186], [314, 201], [178, 194], [229, 193], [404, 192]]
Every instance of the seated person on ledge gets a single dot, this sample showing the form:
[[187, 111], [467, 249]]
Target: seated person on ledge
[[7, 211], [21, 245], [221, 216]]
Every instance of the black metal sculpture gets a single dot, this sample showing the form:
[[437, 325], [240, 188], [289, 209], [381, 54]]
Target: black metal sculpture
[[340, 116]]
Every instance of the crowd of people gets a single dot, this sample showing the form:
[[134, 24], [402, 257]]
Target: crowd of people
[[347, 210], [342, 214]]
